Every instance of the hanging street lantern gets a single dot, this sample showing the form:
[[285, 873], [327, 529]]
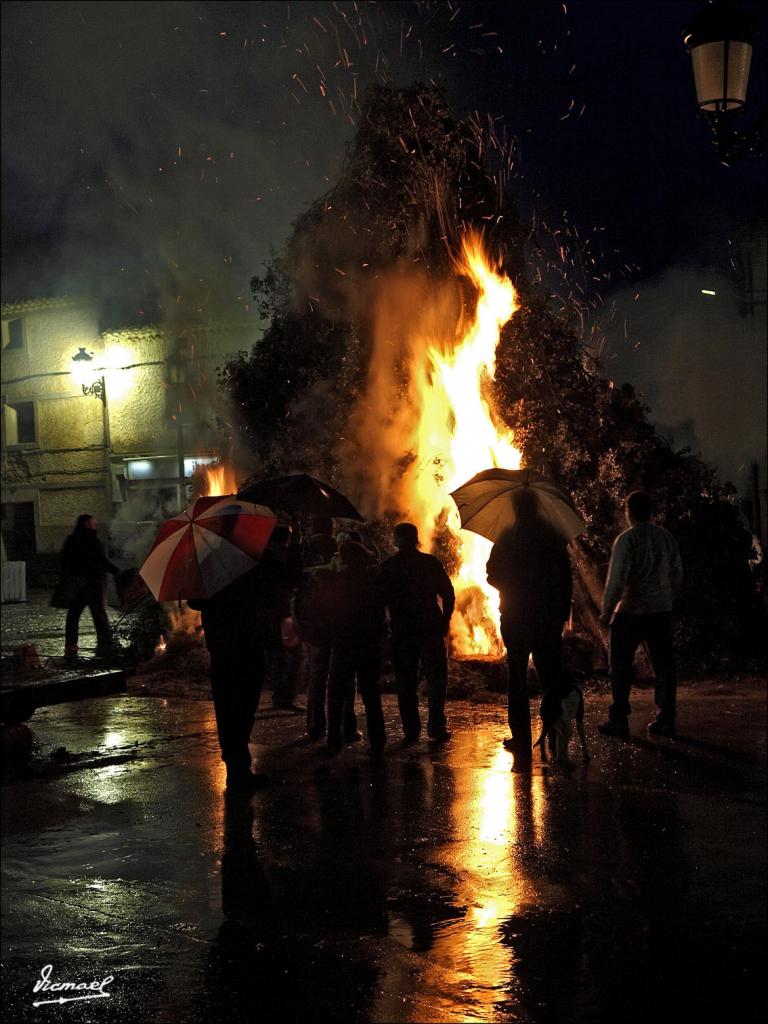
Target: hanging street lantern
[[720, 42], [87, 376]]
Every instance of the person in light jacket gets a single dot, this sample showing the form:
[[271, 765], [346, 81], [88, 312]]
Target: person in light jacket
[[644, 578]]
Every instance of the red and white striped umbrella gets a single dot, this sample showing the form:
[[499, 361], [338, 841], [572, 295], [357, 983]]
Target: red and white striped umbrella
[[208, 545]]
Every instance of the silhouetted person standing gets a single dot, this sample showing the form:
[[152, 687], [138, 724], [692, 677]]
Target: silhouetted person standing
[[319, 549], [280, 572], [84, 568], [357, 611], [530, 568], [240, 621], [237, 626], [315, 626], [644, 578], [412, 583]]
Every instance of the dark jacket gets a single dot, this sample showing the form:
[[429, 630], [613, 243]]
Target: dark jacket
[[354, 607], [248, 612], [312, 606], [83, 558], [279, 575], [319, 549], [237, 617], [532, 572], [411, 583]]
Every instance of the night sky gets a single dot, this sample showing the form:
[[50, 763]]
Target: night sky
[[153, 153]]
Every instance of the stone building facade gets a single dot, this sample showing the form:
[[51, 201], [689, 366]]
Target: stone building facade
[[111, 423]]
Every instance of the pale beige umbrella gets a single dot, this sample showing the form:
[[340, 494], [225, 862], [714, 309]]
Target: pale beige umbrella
[[486, 507]]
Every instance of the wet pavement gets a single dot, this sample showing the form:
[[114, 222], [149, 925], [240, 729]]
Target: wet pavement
[[435, 886], [35, 622]]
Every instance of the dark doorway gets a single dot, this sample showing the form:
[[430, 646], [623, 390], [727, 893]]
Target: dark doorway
[[18, 525]]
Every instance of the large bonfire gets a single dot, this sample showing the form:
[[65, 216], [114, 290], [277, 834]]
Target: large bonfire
[[457, 420], [440, 429], [397, 371], [444, 422]]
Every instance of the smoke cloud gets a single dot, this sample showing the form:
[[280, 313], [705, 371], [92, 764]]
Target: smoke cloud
[[154, 154], [157, 152], [699, 360]]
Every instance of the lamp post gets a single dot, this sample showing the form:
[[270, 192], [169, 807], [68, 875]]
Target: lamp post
[[720, 41], [85, 374]]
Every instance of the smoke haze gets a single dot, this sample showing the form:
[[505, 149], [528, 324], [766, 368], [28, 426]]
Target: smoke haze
[[699, 363], [154, 154]]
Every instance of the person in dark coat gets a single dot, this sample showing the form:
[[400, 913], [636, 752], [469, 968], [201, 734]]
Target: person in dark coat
[[412, 584], [320, 546], [280, 575], [314, 626], [240, 622], [530, 568], [357, 612], [84, 568]]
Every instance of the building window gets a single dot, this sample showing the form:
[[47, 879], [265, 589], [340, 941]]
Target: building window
[[17, 519], [19, 423], [13, 334]]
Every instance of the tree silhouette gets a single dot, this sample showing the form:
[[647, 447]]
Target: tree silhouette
[[414, 180]]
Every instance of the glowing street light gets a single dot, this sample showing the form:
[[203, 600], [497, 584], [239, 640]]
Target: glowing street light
[[92, 382], [85, 373]]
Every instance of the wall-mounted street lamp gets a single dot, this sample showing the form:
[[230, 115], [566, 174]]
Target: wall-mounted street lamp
[[720, 41], [84, 375]]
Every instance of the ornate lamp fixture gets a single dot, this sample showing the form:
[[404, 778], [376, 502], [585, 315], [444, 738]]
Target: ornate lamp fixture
[[720, 41], [84, 373]]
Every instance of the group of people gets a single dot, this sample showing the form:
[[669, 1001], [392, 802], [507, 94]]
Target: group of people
[[331, 597], [530, 567]]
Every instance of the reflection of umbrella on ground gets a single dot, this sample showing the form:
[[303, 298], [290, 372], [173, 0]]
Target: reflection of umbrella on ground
[[208, 545], [299, 493], [486, 507]]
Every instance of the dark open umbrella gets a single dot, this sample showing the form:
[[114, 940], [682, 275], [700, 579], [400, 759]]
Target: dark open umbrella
[[299, 493]]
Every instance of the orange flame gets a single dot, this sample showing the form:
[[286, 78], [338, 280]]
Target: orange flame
[[214, 480], [182, 618], [434, 357], [456, 422]]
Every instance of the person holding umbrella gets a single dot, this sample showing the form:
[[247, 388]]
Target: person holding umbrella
[[237, 628], [300, 493], [529, 566], [209, 554], [531, 520]]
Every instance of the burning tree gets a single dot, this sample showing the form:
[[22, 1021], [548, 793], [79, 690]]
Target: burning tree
[[403, 329]]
